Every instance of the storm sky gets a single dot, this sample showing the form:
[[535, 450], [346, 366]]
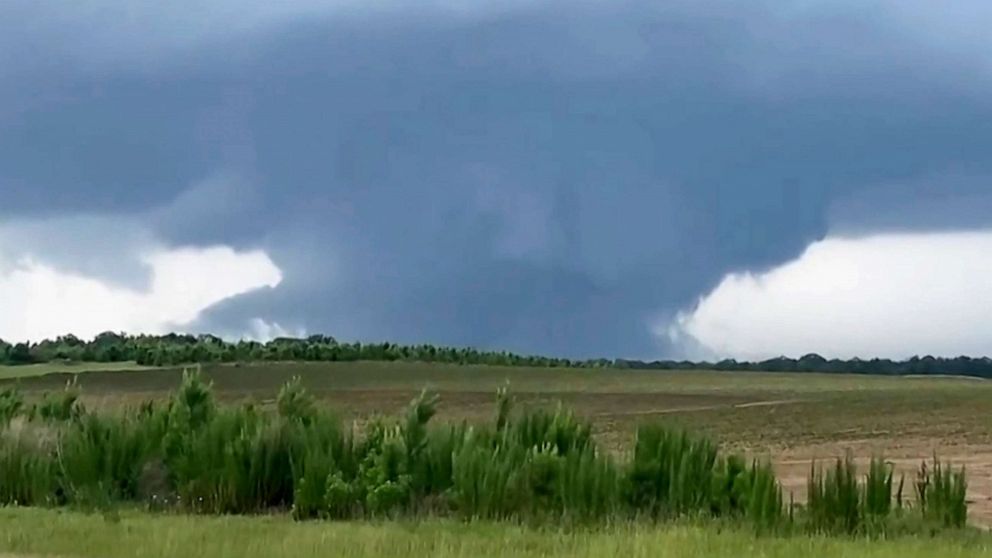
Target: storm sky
[[636, 179]]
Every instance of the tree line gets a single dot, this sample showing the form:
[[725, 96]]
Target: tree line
[[923, 366], [177, 349]]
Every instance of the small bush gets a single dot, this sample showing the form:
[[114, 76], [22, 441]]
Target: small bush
[[504, 404], [294, 403], [100, 459], [588, 486], [62, 407], [941, 494], [877, 494], [833, 498], [672, 474], [559, 429], [193, 404], [758, 496], [11, 404], [27, 474], [487, 480]]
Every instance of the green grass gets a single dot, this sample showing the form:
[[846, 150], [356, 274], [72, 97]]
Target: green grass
[[536, 465], [34, 532], [42, 369], [822, 408]]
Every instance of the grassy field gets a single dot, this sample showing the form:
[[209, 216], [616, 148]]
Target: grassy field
[[759, 411], [30, 370], [35, 533], [787, 418]]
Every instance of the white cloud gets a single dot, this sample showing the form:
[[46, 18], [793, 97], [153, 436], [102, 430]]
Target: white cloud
[[39, 300], [261, 330], [888, 295]]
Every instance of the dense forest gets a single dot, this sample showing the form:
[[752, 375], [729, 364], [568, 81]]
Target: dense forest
[[178, 349]]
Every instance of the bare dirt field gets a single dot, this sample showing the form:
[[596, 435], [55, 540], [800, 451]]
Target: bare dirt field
[[790, 419]]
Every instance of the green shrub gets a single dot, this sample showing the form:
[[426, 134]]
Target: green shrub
[[542, 469], [62, 407], [238, 462], [504, 404], [941, 494], [383, 474], [671, 474], [340, 497], [877, 494], [27, 472], [758, 496], [321, 455], [11, 404], [101, 459], [193, 404], [294, 403], [560, 428], [310, 474], [432, 472], [588, 486], [487, 480], [833, 498]]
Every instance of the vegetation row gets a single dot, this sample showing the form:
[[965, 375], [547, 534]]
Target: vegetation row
[[174, 349], [189, 454]]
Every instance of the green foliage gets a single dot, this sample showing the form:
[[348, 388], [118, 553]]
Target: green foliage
[[559, 429], [175, 349], [504, 404], [383, 473], [11, 404], [487, 479], [100, 459], [672, 473], [310, 476], [537, 466], [834, 504], [941, 494], [27, 472], [294, 403], [340, 497], [193, 404], [62, 407], [877, 493], [754, 493], [414, 430], [838, 503], [240, 461], [588, 485]]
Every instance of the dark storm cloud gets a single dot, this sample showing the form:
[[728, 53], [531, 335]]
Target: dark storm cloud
[[552, 178]]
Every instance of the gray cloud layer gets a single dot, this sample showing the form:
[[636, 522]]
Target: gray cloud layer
[[554, 177]]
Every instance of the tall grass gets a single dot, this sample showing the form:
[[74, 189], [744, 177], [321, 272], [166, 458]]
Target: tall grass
[[834, 499], [940, 493], [839, 501], [27, 470], [532, 465]]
